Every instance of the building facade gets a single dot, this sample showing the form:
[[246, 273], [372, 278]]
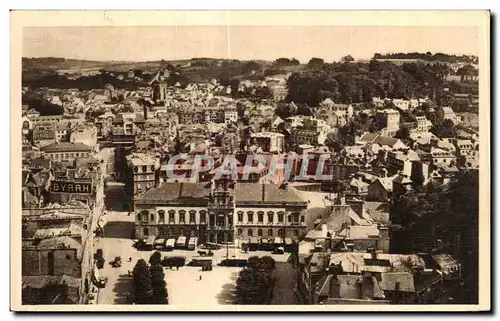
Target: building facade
[[220, 211]]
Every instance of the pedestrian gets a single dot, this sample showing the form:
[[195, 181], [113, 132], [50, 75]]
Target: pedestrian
[[177, 268], [130, 259], [200, 277]]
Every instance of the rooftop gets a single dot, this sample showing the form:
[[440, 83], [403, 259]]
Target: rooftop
[[66, 147]]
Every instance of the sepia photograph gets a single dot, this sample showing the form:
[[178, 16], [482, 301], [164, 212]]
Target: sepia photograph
[[250, 161]]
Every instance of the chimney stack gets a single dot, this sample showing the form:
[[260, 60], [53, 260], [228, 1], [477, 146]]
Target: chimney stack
[[263, 192], [359, 288]]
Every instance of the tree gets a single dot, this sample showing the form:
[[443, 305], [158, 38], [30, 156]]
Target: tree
[[155, 258], [315, 62], [159, 286], [284, 110], [347, 58], [251, 66], [444, 130], [254, 283], [282, 62], [403, 133], [143, 289]]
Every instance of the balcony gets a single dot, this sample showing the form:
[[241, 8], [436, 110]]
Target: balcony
[[221, 227], [221, 205]]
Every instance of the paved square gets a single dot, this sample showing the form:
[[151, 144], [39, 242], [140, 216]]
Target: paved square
[[184, 286]]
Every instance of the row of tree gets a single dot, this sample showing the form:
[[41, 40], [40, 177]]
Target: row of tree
[[442, 57], [360, 82], [149, 281], [255, 283]]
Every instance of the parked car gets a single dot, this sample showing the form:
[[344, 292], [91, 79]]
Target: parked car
[[159, 244], [169, 246]]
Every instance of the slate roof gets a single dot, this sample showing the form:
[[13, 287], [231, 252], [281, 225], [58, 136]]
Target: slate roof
[[272, 193], [177, 191], [66, 147], [390, 279], [244, 192]]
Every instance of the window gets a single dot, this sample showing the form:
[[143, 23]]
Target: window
[[250, 232], [259, 232], [161, 216], [152, 217], [192, 233], [203, 217], [182, 232], [161, 232], [302, 218], [145, 216], [270, 232], [270, 217], [152, 168], [138, 217], [280, 232], [146, 231], [182, 217], [240, 232], [250, 216], [296, 233], [281, 217], [260, 217], [192, 218], [289, 218], [240, 217], [171, 217], [295, 217], [144, 169]]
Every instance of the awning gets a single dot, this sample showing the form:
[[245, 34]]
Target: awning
[[288, 241], [254, 240], [181, 240], [264, 241], [278, 240], [193, 240], [102, 221]]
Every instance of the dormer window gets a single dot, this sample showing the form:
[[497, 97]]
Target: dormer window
[[144, 169], [136, 169]]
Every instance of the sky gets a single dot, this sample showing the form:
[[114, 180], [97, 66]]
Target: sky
[[242, 42]]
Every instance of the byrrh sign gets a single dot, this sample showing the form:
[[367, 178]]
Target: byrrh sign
[[71, 187]]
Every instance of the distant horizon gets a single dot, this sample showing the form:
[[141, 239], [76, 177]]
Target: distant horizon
[[218, 58], [154, 43]]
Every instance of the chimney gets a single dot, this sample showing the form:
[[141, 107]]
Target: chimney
[[359, 288], [334, 287], [357, 206], [397, 286], [263, 192], [159, 182], [367, 286]]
